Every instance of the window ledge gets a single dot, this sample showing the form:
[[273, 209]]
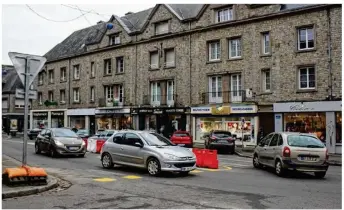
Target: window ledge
[[92, 77], [169, 67], [216, 61], [159, 35], [119, 73], [306, 91], [76, 102], [62, 102], [107, 75], [265, 93], [63, 81], [154, 69], [306, 50], [235, 59], [50, 83], [76, 79], [265, 55]]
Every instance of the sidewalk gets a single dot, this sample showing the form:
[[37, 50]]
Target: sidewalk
[[334, 159], [10, 192]]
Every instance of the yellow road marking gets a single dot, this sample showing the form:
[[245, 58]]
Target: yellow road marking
[[227, 168], [196, 171], [209, 169], [104, 179], [131, 177]]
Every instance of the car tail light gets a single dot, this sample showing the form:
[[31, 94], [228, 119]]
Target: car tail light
[[286, 152], [327, 156]]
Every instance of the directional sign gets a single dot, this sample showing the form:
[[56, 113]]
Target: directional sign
[[31, 63], [20, 93]]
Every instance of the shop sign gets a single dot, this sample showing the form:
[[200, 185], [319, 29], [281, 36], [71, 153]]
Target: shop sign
[[200, 110], [320, 106], [57, 114], [220, 110], [40, 114], [112, 111], [80, 112], [157, 111], [180, 110], [244, 109]]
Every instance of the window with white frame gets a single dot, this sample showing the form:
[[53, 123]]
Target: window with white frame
[[108, 92], [107, 66], [63, 73], [169, 58], [155, 92], [266, 80], [266, 43], [307, 77], [76, 71], [40, 98], [223, 15], [76, 94], [51, 76], [235, 48], [161, 28], [40, 78], [306, 38], [118, 93], [115, 39], [236, 88], [120, 64], [93, 70], [154, 60], [215, 88], [170, 90], [214, 50], [51, 96], [62, 96], [92, 94]]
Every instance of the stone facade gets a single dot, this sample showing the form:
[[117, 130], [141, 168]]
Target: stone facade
[[191, 73]]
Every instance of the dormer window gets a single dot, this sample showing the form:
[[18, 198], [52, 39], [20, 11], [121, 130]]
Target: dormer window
[[161, 28], [115, 39], [223, 15]]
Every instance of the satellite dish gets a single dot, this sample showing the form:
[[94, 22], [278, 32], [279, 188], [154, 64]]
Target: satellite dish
[[109, 26]]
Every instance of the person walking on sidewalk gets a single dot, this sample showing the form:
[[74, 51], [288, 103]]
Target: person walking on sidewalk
[[260, 135]]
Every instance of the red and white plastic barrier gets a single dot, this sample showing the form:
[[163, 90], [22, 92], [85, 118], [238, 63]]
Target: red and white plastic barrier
[[206, 158], [95, 145]]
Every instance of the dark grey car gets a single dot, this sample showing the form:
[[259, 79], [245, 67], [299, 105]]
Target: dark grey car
[[60, 141]]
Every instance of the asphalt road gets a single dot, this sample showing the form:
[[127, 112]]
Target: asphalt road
[[235, 185]]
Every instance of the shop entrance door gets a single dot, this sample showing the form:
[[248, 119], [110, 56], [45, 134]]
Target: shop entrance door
[[92, 124]]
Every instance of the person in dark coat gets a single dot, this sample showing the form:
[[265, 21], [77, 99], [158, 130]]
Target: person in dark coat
[[260, 135]]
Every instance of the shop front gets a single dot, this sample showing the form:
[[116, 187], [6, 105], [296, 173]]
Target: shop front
[[116, 119], [82, 119], [57, 119], [40, 120], [13, 122], [53, 118], [240, 120], [322, 118], [162, 120]]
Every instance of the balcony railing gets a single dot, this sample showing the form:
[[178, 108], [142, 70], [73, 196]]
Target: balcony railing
[[224, 97], [112, 102], [160, 100]]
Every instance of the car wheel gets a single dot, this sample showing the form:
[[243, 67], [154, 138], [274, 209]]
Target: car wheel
[[320, 175], [37, 150], [30, 137], [153, 167], [279, 170], [53, 153], [107, 161], [256, 163]]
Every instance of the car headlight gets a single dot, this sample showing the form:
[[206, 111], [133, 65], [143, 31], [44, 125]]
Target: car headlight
[[172, 157], [58, 143]]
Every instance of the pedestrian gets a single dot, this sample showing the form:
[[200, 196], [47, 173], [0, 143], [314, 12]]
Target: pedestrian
[[260, 135]]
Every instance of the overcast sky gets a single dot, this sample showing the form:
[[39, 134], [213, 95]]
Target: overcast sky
[[24, 31]]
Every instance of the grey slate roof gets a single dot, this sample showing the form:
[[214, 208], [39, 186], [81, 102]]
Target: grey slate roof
[[76, 43], [10, 79]]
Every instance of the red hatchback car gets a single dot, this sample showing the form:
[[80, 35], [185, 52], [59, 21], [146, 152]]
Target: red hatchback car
[[182, 137]]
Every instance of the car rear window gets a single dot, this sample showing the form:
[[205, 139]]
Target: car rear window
[[304, 141], [222, 134], [181, 134]]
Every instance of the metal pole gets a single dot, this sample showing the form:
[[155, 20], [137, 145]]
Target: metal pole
[[26, 108], [242, 135]]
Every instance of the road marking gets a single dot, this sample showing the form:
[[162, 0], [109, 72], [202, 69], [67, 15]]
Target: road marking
[[227, 167], [104, 179], [212, 170], [131, 177], [196, 171]]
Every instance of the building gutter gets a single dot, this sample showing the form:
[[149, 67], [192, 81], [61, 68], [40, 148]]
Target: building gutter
[[329, 51], [190, 66], [69, 81]]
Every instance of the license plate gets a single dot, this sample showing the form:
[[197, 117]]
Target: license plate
[[186, 169], [309, 158], [73, 148], [222, 142]]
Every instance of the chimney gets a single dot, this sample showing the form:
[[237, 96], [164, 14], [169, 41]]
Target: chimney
[[128, 13]]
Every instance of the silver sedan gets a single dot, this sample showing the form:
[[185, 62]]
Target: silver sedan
[[149, 150]]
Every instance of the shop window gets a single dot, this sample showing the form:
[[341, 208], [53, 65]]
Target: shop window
[[313, 123], [77, 122], [113, 122], [338, 127]]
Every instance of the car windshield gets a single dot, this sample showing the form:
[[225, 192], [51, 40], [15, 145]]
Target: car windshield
[[181, 134], [304, 141], [222, 134], [154, 139], [64, 133], [82, 132]]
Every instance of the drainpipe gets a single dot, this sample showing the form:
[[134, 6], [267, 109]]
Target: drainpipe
[[329, 44], [69, 80], [190, 93], [135, 88]]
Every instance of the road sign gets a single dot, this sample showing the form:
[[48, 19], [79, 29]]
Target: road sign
[[20, 93], [33, 63]]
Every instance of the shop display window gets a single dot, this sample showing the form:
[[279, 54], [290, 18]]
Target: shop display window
[[40, 122], [338, 127], [313, 123], [114, 122], [77, 122]]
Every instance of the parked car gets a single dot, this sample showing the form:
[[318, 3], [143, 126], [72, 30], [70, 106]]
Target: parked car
[[60, 141], [182, 138], [285, 151], [149, 150], [218, 139], [33, 133], [83, 133]]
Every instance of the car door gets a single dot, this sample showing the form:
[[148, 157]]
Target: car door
[[131, 153], [114, 145], [47, 140], [270, 150], [262, 148]]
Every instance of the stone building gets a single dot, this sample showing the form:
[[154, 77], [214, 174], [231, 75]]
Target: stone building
[[200, 67]]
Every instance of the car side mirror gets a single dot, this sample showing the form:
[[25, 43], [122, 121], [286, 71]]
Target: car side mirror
[[47, 136], [138, 144]]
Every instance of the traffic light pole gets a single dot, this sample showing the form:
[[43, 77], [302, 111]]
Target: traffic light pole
[[26, 109]]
